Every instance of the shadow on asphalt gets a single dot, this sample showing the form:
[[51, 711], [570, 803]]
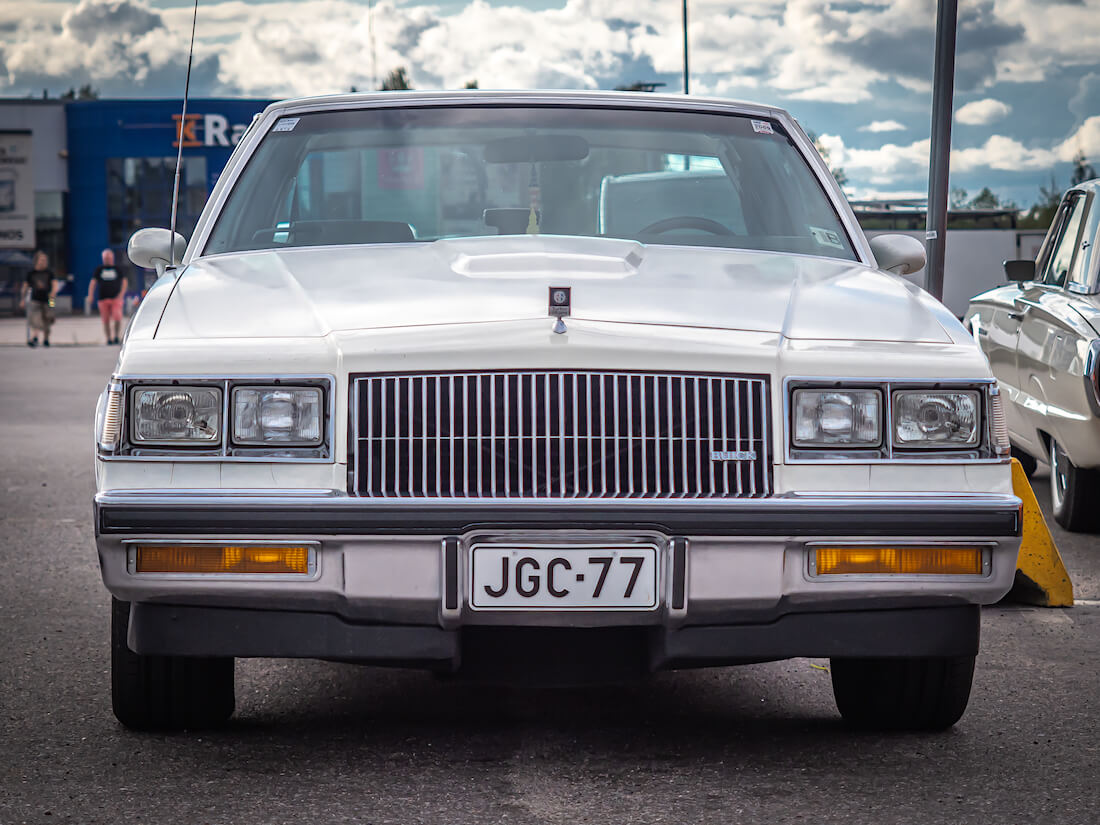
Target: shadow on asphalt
[[691, 713]]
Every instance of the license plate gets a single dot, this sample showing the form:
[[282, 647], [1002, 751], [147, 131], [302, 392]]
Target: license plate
[[510, 577]]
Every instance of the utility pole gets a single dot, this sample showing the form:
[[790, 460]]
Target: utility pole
[[684, 6], [939, 167]]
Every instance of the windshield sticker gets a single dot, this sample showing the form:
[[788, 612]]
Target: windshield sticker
[[826, 237], [762, 127], [286, 124]]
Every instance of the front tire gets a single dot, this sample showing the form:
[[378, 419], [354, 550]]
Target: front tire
[[1072, 491], [902, 694], [166, 692]]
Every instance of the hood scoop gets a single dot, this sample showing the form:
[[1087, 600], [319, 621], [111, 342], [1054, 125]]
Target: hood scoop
[[524, 259]]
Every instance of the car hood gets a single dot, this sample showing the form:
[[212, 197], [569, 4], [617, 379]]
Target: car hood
[[313, 292]]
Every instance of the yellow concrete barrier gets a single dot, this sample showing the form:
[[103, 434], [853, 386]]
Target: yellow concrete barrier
[[1041, 577]]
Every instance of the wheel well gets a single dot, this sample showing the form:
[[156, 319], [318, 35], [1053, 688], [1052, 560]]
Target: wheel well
[[1045, 439]]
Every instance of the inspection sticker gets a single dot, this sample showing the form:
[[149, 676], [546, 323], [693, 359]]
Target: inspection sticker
[[286, 124], [762, 127], [826, 237]]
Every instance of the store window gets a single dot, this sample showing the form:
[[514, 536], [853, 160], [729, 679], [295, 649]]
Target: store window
[[139, 194], [49, 228]]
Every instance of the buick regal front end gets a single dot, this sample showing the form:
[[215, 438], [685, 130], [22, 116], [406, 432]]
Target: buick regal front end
[[547, 388]]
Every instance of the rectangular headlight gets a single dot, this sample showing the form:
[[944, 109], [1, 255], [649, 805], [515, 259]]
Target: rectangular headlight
[[176, 415], [288, 416], [931, 419], [837, 418]]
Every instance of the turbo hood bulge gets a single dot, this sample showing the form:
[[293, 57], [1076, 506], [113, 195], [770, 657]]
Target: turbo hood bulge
[[310, 292]]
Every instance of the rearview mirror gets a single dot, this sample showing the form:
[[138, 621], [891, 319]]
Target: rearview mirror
[[1019, 271], [900, 254], [534, 148], [149, 248]]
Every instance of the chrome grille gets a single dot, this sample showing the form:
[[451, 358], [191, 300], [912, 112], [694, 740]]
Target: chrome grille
[[552, 434]]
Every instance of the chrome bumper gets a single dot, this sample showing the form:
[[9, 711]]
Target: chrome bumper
[[389, 563]]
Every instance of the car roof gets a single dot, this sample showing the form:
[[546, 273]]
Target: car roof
[[631, 100], [1092, 185]]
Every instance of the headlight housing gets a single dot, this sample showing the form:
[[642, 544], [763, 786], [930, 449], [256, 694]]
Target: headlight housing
[[176, 415], [287, 416], [936, 419], [837, 418]]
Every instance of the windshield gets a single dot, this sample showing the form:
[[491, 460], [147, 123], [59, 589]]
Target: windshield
[[369, 176]]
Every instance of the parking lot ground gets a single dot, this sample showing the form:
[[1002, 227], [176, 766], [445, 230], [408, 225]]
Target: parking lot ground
[[68, 331], [316, 742]]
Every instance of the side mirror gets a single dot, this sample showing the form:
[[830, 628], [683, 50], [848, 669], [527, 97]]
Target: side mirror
[[900, 254], [149, 248], [1020, 271]]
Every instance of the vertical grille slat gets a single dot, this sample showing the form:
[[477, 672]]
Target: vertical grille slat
[[547, 434]]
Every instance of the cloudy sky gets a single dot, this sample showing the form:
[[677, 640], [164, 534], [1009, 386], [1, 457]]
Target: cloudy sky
[[858, 72]]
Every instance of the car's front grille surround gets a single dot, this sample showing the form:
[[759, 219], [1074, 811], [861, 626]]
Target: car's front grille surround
[[554, 434]]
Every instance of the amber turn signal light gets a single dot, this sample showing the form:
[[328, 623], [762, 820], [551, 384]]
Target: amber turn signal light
[[207, 558], [906, 561]]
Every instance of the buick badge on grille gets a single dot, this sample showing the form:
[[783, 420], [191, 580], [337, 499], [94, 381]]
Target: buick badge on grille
[[733, 455]]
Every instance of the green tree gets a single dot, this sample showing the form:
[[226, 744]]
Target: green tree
[[1042, 212], [85, 92], [958, 198], [471, 84], [396, 81], [837, 172], [1082, 169], [639, 86], [986, 199]]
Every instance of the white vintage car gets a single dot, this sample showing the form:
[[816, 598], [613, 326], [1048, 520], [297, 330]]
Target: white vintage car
[[1041, 333], [547, 387]]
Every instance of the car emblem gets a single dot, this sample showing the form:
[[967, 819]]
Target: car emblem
[[733, 455], [560, 299]]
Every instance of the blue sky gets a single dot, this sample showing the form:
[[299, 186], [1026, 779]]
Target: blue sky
[[857, 72]]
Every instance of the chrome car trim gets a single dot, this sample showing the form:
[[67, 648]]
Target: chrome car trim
[[1091, 376], [888, 453], [222, 451], [277, 497], [566, 426]]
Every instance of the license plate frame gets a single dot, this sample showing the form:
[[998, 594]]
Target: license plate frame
[[484, 569]]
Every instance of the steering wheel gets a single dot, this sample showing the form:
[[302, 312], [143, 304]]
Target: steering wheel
[[686, 222]]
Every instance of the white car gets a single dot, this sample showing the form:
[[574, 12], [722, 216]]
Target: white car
[[548, 387], [1041, 333]]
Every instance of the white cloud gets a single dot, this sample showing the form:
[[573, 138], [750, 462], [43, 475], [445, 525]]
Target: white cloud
[[982, 112], [799, 48], [883, 126], [891, 162]]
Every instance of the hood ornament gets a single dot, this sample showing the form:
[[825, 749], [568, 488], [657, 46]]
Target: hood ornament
[[560, 300]]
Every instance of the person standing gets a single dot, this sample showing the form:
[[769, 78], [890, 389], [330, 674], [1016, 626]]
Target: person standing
[[112, 290], [40, 290]]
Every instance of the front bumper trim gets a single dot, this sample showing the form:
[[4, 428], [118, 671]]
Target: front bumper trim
[[986, 516]]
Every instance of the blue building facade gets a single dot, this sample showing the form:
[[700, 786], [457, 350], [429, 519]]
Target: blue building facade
[[122, 161]]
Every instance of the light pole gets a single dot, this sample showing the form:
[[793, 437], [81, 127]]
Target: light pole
[[939, 167], [684, 7]]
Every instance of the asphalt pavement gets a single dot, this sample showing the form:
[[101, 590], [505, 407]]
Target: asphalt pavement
[[317, 743]]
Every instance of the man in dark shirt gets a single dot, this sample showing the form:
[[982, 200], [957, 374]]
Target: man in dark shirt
[[41, 287], [112, 291]]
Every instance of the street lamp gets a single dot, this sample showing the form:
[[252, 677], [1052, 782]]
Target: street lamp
[[684, 9], [939, 167]]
